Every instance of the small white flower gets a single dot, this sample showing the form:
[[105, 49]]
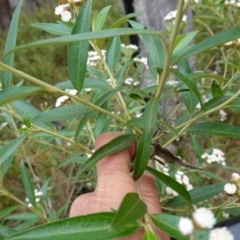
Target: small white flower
[[223, 115], [132, 47], [59, 10], [30, 205], [230, 188], [61, 100], [169, 191], [185, 226], [220, 233], [235, 177], [203, 218], [172, 15], [128, 81], [66, 16]]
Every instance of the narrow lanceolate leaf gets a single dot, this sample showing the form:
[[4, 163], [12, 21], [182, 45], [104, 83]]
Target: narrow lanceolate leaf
[[6, 232], [215, 129], [170, 182], [10, 148], [150, 114], [113, 52], [130, 210], [192, 86], [185, 40], [153, 45], [100, 18], [53, 28], [8, 95], [27, 184], [10, 44], [114, 146], [148, 235], [169, 224], [105, 33], [216, 40], [5, 212], [90, 227], [61, 113], [78, 52], [197, 195], [216, 90], [142, 155]]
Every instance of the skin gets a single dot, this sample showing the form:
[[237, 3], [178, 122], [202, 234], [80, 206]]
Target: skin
[[114, 182]]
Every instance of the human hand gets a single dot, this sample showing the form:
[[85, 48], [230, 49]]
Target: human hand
[[114, 182]]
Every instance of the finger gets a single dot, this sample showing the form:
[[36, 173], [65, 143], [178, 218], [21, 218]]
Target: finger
[[115, 168]]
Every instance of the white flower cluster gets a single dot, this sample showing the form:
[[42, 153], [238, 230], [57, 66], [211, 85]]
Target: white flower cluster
[[37, 195], [220, 233], [130, 81], [131, 47], [94, 58], [172, 15], [142, 60], [61, 100], [63, 11], [233, 188], [216, 156], [233, 3], [223, 115], [182, 179], [172, 82], [203, 218]]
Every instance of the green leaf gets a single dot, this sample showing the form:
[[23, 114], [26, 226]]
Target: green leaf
[[78, 52], [113, 53], [169, 224], [106, 33], [88, 83], [102, 121], [153, 45], [142, 155], [6, 165], [90, 227], [53, 28], [216, 90], [197, 195], [197, 148], [26, 216], [72, 158], [62, 113], [6, 232], [200, 75], [130, 210], [191, 85], [8, 95], [100, 18], [150, 114], [148, 235], [123, 19], [27, 184], [7, 211], [215, 129], [213, 41], [114, 146], [189, 98], [10, 148], [136, 122], [10, 44], [170, 182], [229, 64], [185, 40]]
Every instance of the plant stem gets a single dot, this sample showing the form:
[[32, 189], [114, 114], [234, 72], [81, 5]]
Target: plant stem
[[51, 88]]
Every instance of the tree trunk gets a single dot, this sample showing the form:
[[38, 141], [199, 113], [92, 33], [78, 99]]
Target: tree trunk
[[5, 14]]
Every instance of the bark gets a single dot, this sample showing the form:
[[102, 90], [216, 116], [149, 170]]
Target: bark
[[5, 14]]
